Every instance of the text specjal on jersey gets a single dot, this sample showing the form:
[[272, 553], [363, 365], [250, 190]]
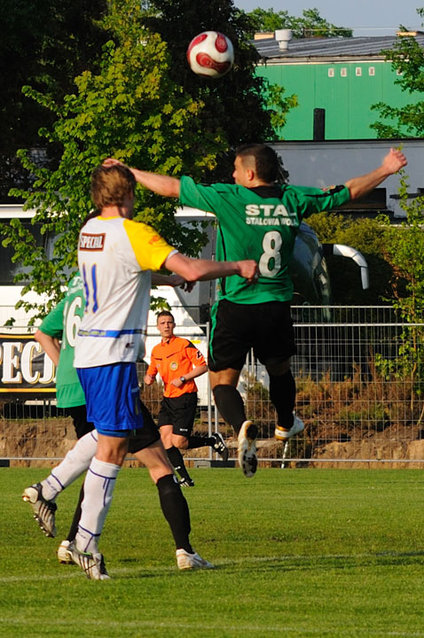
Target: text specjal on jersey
[[90, 241]]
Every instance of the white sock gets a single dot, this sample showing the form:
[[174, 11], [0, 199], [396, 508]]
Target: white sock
[[98, 490], [73, 465]]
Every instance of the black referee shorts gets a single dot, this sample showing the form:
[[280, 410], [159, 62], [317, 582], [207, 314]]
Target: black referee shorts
[[236, 328], [179, 412]]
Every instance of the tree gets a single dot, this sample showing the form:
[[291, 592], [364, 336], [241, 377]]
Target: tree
[[134, 108], [243, 106], [310, 25], [130, 109], [45, 44], [405, 252], [407, 58]]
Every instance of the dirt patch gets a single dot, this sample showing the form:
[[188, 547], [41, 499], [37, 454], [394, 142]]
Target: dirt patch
[[43, 442]]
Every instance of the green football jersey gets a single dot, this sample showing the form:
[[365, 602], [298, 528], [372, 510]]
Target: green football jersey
[[63, 323], [260, 224]]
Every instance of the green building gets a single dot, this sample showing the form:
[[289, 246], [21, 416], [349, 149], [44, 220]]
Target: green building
[[343, 76]]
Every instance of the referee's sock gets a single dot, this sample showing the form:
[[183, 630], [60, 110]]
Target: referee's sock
[[230, 405], [200, 441], [175, 509], [177, 461]]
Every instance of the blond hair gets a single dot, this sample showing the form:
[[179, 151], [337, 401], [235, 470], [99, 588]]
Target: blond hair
[[111, 185]]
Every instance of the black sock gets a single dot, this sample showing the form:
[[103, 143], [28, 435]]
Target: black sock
[[282, 392], [77, 515], [175, 509], [177, 461], [230, 405], [200, 441]]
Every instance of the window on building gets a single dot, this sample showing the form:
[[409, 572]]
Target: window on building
[[8, 269]]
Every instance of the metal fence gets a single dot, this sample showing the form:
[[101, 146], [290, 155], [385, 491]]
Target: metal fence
[[360, 381]]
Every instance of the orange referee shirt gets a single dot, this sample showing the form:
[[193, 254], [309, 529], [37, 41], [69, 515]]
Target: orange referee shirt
[[175, 359]]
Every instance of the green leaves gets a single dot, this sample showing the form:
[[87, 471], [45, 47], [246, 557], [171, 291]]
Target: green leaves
[[407, 58], [141, 103], [310, 25], [130, 109]]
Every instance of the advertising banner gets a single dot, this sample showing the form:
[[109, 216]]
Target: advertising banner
[[26, 372]]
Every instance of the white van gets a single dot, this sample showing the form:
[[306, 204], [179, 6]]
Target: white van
[[191, 310]]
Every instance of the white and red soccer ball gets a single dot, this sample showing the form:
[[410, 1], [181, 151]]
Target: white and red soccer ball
[[210, 54]]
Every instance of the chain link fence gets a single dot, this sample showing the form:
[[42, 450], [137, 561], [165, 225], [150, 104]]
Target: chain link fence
[[360, 379]]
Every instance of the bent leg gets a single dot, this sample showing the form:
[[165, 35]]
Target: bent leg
[[82, 427], [173, 452], [156, 461], [98, 490], [227, 398], [282, 391], [73, 465], [174, 505]]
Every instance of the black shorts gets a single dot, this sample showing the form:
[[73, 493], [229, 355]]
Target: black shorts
[[236, 328], [179, 412], [145, 436], [142, 437], [79, 418]]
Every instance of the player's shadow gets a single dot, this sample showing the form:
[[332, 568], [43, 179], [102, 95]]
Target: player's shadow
[[323, 563]]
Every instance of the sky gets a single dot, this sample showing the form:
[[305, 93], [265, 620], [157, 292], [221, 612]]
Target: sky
[[365, 17]]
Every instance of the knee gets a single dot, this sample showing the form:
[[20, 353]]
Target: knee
[[115, 457], [159, 471], [112, 453], [180, 442]]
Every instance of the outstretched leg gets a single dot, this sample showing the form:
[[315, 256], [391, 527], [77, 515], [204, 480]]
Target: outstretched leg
[[41, 496], [282, 391], [174, 505]]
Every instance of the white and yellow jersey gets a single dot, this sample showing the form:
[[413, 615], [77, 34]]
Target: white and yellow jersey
[[115, 259]]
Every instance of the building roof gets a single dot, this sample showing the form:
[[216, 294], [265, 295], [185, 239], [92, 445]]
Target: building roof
[[326, 48]]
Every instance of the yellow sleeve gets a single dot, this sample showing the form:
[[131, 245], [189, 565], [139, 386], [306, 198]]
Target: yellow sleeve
[[150, 249]]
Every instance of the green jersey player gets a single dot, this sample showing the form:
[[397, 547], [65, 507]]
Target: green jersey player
[[258, 218]]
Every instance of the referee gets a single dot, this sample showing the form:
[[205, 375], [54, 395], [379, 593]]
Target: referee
[[179, 362]]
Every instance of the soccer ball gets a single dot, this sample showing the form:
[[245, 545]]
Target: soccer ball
[[210, 54]]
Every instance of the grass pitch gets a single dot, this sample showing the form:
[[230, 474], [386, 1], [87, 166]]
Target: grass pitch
[[297, 553]]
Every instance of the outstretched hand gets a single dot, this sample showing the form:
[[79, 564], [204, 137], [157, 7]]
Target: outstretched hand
[[394, 161]]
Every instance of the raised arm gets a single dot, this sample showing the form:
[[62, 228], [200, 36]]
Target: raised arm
[[392, 163], [160, 184]]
